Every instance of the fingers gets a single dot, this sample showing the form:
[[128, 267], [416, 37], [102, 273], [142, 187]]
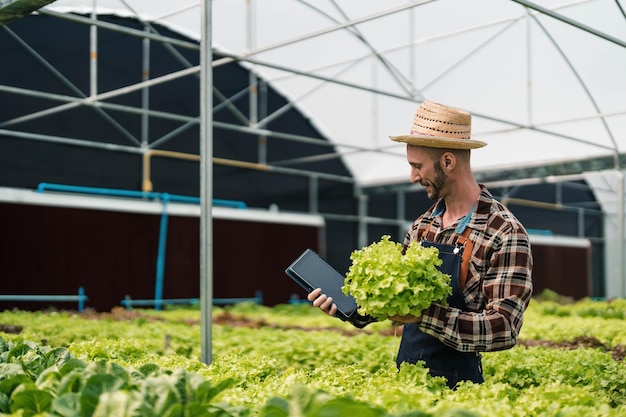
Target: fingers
[[322, 301], [333, 309], [314, 294]]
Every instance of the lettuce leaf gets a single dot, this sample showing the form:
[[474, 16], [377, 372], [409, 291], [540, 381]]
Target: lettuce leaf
[[385, 282]]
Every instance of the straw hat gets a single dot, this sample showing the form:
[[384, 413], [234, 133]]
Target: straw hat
[[439, 126]]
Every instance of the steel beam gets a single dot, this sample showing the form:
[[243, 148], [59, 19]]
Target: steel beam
[[11, 10]]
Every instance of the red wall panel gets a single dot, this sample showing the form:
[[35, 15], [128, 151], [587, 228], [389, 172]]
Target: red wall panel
[[55, 250]]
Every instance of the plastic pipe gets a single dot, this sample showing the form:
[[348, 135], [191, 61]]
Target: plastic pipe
[[146, 184], [81, 298], [128, 302], [160, 266], [165, 198], [135, 194]]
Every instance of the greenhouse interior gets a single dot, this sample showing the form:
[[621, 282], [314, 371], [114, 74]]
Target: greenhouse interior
[[106, 107], [158, 154]]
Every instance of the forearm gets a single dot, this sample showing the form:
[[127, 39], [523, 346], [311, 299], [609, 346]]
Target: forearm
[[495, 328]]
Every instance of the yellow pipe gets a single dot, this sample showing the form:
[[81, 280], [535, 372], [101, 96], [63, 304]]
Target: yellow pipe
[[530, 203], [240, 164], [146, 185]]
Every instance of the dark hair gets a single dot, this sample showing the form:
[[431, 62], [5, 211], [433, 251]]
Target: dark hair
[[435, 153]]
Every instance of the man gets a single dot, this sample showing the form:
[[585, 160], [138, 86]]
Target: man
[[489, 296]]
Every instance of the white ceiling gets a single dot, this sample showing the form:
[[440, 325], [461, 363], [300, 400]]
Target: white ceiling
[[541, 88]]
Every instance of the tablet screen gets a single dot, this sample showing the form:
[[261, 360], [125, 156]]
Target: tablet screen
[[311, 272]]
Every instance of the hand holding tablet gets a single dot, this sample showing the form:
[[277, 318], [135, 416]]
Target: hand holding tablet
[[311, 271]]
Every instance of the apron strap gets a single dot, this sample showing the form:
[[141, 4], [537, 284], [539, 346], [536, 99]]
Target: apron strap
[[468, 246], [467, 254], [427, 230]]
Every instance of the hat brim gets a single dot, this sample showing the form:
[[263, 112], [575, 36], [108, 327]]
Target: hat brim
[[439, 142]]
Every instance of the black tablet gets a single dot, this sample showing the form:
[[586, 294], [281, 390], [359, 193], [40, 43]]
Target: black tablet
[[311, 271]]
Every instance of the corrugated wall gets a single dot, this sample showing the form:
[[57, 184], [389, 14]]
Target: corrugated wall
[[56, 250], [563, 269]]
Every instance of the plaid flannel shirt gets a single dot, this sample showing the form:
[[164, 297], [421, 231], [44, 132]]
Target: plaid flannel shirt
[[498, 287]]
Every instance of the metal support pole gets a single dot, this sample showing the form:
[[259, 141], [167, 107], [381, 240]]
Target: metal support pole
[[362, 201], [581, 222], [262, 97], [313, 194], [529, 71], [619, 212], [401, 213], [206, 182], [567, 20], [93, 54], [145, 92]]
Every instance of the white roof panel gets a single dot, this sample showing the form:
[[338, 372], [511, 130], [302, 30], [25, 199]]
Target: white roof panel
[[515, 69]]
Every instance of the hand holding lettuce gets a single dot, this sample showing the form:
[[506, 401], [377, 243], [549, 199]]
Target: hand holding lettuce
[[387, 283]]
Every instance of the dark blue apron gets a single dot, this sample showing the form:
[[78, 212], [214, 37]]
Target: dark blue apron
[[442, 360]]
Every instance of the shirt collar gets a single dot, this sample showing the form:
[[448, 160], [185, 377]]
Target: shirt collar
[[476, 218]]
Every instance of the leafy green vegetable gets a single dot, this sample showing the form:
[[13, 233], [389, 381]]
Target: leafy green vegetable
[[385, 282], [346, 372], [31, 402], [317, 403]]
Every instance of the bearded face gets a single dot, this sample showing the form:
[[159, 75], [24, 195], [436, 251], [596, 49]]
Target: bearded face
[[434, 186]]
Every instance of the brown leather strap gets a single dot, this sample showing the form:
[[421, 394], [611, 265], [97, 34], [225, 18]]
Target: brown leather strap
[[427, 230], [467, 255]]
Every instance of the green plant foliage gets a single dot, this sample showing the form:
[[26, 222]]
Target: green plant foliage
[[386, 283], [68, 388], [297, 361], [305, 402], [558, 322]]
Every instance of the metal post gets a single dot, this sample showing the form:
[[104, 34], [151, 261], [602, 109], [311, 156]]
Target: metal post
[[401, 213], [619, 212], [313, 194], [145, 92], [93, 54], [362, 200], [529, 70], [581, 222], [206, 182]]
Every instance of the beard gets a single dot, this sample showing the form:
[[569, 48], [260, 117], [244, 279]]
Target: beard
[[438, 182]]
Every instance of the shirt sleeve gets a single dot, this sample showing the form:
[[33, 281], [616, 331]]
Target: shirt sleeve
[[507, 288]]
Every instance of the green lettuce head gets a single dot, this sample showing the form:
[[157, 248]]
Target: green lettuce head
[[385, 282]]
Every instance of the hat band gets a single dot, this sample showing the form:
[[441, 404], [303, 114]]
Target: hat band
[[417, 132]]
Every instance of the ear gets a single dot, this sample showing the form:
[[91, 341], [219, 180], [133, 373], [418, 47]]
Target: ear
[[448, 161]]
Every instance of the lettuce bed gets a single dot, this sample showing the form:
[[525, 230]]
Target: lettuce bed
[[294, 360]]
